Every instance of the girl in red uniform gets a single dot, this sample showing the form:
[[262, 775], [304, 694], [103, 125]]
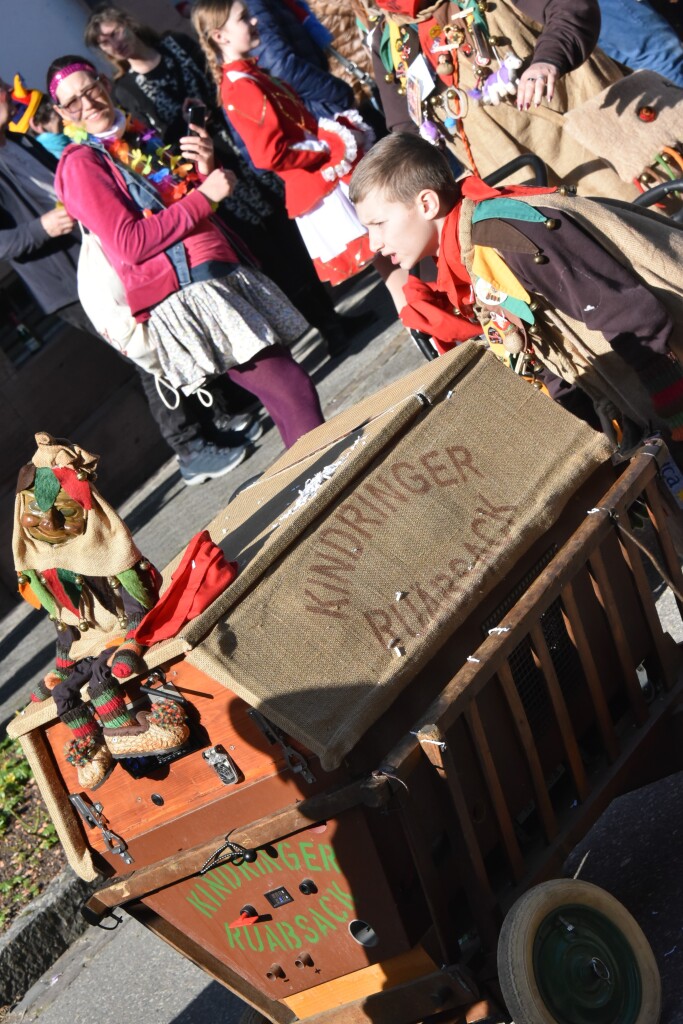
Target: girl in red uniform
[[313, 158]]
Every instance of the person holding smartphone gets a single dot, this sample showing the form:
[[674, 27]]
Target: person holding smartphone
[[155, 78], [228, 318]]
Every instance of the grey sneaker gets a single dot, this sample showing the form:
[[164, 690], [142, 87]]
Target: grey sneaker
[[209, 462], [236, 429]]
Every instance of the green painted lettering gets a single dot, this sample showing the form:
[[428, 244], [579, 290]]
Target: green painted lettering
[[345, 898], [207, 895], [329, 858], [289, 935], [204, 908], [234, 937], [228, 872], [274, 943], [327, 910], [289, 859], [302, 924], [271, 864], [253, 937], [250, 870], [217, 885], [308, 855], [324, 923]]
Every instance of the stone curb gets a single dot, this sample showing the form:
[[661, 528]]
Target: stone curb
[[41, 934]]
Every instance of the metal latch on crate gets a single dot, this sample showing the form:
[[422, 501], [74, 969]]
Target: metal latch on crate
[[295, 761], [93, 817], [223, 765]]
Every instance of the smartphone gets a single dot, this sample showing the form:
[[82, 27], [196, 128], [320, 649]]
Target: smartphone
[[195, 113]]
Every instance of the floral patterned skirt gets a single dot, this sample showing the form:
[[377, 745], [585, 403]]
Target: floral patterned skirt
[[210, 326]]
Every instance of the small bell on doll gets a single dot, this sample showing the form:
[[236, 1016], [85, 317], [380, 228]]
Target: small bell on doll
[[444, 65], [76, 559]]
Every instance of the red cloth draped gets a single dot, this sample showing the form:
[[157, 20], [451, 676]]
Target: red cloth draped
[[431, 307], [203, 574]]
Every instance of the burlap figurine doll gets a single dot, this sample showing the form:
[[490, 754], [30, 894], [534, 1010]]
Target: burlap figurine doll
[[76, 558]]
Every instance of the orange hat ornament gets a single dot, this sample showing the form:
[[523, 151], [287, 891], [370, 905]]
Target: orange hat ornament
[[26, 102]]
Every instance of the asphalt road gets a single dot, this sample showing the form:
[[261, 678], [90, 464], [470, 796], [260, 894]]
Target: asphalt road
[[128, 975]]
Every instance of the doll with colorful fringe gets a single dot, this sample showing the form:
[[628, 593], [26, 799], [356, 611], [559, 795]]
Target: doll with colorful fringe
[[76, 559]]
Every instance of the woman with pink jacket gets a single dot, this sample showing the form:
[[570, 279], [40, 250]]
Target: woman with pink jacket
[[206, 313]]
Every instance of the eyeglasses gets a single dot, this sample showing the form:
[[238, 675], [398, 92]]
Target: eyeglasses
[[75, 105]]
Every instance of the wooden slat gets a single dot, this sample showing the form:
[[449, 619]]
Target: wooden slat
[[411, 808], [361, 984], [446, 990], [610, 604], [473, 869], [523, 729], [564, 722], [495, 790], [545, 589], [659, 515], [577, 632], [665, 647]]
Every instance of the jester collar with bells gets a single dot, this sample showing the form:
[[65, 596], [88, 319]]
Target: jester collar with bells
[[504, 301]]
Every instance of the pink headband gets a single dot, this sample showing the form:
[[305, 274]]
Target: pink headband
[[70, 69]]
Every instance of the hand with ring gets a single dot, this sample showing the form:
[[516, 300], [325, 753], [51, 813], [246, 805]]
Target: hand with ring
[[537, 81]]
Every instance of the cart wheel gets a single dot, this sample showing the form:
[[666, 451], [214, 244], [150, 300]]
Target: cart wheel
[[569, 953]]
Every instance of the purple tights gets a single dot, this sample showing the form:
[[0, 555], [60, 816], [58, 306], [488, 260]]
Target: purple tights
[[284, 389]]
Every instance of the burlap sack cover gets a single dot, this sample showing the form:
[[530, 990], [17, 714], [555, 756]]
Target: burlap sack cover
[[430, 490], [608, 124]]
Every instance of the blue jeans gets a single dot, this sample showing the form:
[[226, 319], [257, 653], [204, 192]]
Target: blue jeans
[[636, 35]]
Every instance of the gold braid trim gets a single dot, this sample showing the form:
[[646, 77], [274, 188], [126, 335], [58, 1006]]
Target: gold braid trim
[[247, 117]]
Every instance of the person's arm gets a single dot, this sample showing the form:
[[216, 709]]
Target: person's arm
[[264, 131], [570, 34], [287, 51], [90, 191], [21, 240], [394, 106], [584, 281]]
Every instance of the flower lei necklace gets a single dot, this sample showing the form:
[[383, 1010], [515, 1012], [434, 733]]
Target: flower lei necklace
[[141, 149]]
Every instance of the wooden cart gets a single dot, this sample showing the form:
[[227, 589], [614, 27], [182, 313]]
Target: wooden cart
[[381, 891]]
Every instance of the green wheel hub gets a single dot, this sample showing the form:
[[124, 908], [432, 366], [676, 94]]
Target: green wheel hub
[[585, 969]]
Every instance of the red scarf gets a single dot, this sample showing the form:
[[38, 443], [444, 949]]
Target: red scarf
[[430, 307]]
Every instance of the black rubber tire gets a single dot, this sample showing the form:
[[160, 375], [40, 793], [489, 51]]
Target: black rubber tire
[[516, 972]]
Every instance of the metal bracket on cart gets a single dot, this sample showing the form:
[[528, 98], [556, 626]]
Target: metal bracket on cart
[[93, 816], [295, 761], [166, 690]]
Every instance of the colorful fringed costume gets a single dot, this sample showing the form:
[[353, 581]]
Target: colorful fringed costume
[[76, 559], [592, 291]]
